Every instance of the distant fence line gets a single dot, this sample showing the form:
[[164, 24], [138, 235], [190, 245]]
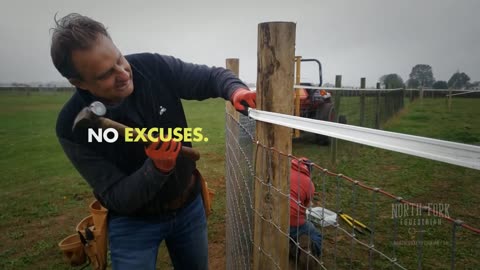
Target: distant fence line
[[368, 108], [35, 89], [348, 91], [373, 107]]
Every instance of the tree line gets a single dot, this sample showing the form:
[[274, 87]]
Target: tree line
[[422, 76]]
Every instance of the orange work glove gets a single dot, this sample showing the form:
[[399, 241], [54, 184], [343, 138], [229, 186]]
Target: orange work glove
[[242, 99], [164, 154]]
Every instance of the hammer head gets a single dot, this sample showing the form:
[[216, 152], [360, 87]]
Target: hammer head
[[88, 116]]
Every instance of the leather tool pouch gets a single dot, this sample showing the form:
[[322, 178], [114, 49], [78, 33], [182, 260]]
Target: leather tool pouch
[[207, 194], [90, 241]]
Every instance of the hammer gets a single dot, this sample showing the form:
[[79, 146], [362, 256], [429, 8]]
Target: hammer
[[92, 116]]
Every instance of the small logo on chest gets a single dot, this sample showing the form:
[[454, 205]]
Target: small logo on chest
[[162, 110]]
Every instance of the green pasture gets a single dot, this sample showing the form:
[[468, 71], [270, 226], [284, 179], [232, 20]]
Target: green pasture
[[43, 197]]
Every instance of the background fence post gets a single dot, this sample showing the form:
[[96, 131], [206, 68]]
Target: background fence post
[[362, 102], [377, 107], [333, 141], [298, 62], [276, 52], [231, 120], [450, 99], [337, 94], [233, 65], [421, 95], [394, 101], [386, 107]]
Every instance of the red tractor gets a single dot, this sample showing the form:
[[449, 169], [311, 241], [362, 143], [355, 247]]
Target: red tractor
[[311, 102]]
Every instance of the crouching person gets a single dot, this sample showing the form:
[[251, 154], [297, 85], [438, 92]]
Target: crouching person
[[302, 231]]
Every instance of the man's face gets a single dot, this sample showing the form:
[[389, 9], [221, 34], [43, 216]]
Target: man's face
[[105, 73]]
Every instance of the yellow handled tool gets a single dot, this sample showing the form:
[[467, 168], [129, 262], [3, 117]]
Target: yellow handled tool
[[355, 224]]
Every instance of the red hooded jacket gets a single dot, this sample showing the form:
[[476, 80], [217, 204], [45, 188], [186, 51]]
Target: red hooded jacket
[[301, 191]]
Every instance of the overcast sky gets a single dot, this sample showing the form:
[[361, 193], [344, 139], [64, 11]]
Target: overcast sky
[[353, 38]]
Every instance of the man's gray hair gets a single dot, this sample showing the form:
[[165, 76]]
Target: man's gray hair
[[73, 32]]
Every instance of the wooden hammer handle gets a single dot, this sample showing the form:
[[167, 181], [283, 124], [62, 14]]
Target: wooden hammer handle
[[103, 122]]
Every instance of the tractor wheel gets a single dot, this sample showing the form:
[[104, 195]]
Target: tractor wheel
[[326, 113]]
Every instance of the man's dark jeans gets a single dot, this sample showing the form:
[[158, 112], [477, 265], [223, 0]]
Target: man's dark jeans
[[134, 242]]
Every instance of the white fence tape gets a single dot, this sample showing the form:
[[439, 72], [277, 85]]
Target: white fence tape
[[450, 152]]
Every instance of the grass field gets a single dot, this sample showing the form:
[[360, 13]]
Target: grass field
[[43, 197]]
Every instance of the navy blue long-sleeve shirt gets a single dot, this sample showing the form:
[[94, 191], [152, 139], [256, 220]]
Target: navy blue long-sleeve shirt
[[122, 177]]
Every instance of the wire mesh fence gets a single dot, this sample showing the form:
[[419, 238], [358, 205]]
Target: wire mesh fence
[[361, 225], [369, 108], [372, 108], [240, 174]]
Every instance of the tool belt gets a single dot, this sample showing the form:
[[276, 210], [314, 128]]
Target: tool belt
[[184, 198], [190, 194], [207, 193], [90, 241]]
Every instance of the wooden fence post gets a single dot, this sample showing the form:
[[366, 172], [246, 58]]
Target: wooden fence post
[[386, 107], [276, 52], [396, 102], [421, 95], [450, 99], [333, 141], [233, 65], [362, 102], [377, 107], [232, 118], [338, 93], [298, 62]]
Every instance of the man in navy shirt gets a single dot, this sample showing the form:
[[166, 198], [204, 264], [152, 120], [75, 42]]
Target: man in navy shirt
[[151, 193]]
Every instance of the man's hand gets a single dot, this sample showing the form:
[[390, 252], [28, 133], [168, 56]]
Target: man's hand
[[242, 99], [164, 154]]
